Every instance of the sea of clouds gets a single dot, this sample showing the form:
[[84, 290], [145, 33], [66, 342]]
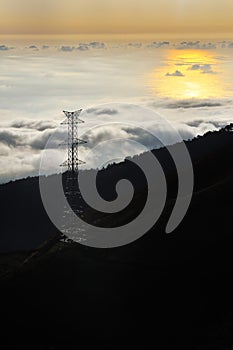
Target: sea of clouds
[[37, 82]]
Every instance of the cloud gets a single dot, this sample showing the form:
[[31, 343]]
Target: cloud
[[159, 44], [177, 73], [200, 122], [106, 132], [33, 124], [190, 103], [136, 45], [100, 111], [5, 48], [204, 68], [67, 48], [33, 47], [38, 142], [197, 45], [97, 45], [18, 165], [198, 66], [208, 46], [24, 140], [182, 64], [209, 71], [83, 47], [10, 138], [187, 45], [4, 150], [29, 134], [114, 135]]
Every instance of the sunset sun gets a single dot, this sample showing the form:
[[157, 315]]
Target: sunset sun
[[187, 74]]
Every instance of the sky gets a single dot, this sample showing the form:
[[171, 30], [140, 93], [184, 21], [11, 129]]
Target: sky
[[115, 16], [173, 57]]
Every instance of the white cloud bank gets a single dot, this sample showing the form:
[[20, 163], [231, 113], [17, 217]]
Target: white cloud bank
[[22, 142]]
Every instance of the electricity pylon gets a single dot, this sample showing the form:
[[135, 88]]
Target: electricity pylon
[[73, 142], [71, 184]]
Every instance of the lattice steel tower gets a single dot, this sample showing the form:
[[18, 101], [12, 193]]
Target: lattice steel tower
[[70, 183], [73, 142]]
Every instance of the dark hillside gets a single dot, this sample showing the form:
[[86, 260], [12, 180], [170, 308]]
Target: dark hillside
[[163, 291]]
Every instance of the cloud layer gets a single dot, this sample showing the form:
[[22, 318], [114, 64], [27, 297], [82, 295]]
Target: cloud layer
[[99, 45], [23, 141]]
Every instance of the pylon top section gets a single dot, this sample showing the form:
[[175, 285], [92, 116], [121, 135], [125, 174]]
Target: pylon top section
[[72, 120], [72, 116]]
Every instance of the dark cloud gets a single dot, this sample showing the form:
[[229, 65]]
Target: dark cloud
[[97, 45], [110, 132], [34, 139], [136, 45], [193, 104], [204, 68], [184, 45], [10, 138], [98, 111], [107, 111], [40, 140], [159, 44], [5, 48], [182, 64], [177, 73], [198, 66], [33, 47], [208, 46], [83, 47], [188, 44], [36, 125], [67, 48], [198, 122], [142, 137], [189, 103]]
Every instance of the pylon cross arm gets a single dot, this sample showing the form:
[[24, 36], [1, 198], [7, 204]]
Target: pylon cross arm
[[72, 114]]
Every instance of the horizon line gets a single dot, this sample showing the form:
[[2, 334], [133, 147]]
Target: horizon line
[[128, 33]]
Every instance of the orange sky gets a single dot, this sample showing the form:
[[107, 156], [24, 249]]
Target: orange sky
[[115, 16]]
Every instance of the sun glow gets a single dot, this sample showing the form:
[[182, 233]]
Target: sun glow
[[187, 74]]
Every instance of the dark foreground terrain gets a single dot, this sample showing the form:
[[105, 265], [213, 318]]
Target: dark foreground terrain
[[161, 291]]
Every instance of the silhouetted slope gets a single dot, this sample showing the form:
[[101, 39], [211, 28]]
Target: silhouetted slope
[[162, 290], [25, 224]]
